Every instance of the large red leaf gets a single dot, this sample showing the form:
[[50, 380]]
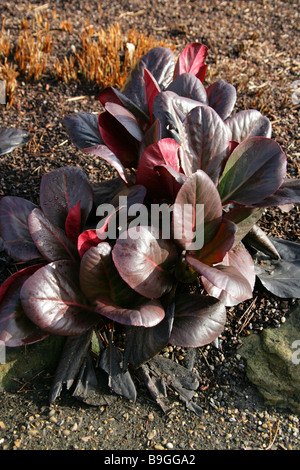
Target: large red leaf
[[152, 89], [17, 241], [61, 190], [164, 152], [198, 320], [99, 277], [197, 212], [50, 240], [118, 139], [226, 278], [205, 142], [240, 259], [15, 327], [52, 299], [215, 250], [192, 60], [145, 261], [147, 314]]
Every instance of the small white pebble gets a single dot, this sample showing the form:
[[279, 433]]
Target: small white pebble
[[169, 445]]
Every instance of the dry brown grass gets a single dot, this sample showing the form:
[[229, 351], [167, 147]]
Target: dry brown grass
[[104, 57]]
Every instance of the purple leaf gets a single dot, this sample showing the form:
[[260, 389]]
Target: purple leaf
[[192, 60], [99, 277], [61, 190], [239, 259], [11, 138], [126, 119], [73, 223], [164, 152], [160, 62], [117, 138], [205, 142], [226, 278], [198, 320], [197, 212], [86, 240], [147, 314], [107, 155], [50, 240], [254, 171], [144, 343], [17, 241], [112, 95], [244, 217], [145, 261], [287, 193], [214, 251], [52, 299], [152, 89], [171, 180], [189, 86], [222, 97], [248, 123], [83, 130], [15, 327]]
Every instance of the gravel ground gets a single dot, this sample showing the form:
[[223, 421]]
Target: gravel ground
[[253, 45]]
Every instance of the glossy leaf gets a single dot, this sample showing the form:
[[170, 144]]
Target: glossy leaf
[[171, 180], [248, 123], [112, 95], [205, 142], [222, 98], [59, 307], [214, 251], [145, 261], [86, 240], [239, 259], [15, 327], [225, 278], [189, 86], [281, 277], [192, 60], [17, 241], [244, 217], [61, 190], [11, 138], [83, 130], [152, 89], [144, 314], [108, 156], [160, 62], [144, 343], [126, 119], [120, 382], [254, 171], [73, 223], [198, 320], [99, 276], [164, 152], [50, 240], [197, 212], [117, 138], [288, 193]]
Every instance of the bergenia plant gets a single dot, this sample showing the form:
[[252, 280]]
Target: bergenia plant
[[118, 260]]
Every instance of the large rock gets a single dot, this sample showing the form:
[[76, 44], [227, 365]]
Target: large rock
[[23, 363], [273, 362]]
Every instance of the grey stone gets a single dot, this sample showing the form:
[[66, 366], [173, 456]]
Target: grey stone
[[22, 363], [273, 363]]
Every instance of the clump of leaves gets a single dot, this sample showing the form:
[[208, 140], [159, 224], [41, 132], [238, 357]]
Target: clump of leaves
[[175, 143]]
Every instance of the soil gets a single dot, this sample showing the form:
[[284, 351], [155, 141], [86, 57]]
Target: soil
[[253, 45]]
